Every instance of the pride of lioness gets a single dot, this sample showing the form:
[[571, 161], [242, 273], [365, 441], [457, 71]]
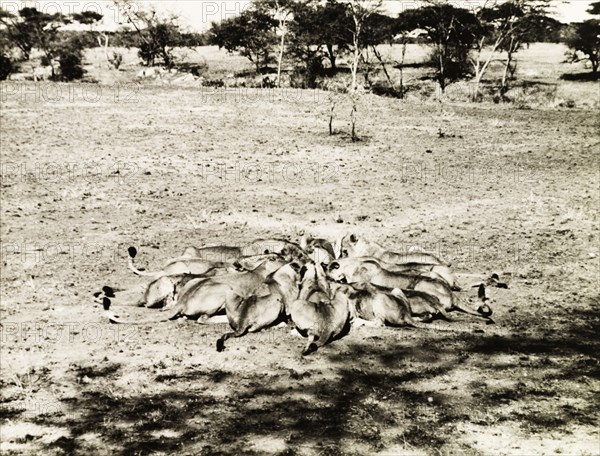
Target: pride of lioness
[[303, 284]]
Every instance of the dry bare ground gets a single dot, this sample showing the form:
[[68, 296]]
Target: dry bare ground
[[490, 188]]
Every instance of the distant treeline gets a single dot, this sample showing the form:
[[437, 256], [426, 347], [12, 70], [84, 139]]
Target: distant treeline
[[123, 38], [309, 36]]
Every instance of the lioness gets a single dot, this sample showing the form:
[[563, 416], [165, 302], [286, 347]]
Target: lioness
[[259, 311], [349, 271], [355, 246], [321, 310], [203, 297]]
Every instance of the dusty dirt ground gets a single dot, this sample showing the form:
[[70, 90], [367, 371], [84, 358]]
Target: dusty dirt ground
[[490, 188]]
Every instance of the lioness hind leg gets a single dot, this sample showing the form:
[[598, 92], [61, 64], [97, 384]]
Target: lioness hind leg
[[221, 340], [311, 345]]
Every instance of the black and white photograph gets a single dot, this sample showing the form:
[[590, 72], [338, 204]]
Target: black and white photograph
[[300, 227]]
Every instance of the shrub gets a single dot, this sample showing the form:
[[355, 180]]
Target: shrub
[[70, 65], [116, 59], [147, 52], [456, 67], [6, 67], [45, 61], [197, 68]]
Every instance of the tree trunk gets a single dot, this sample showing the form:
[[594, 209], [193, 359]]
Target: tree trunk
[[331, 57], [478, 70], [353, 118], [105, 45], [475, 95], [442, 73], [384, 68], [280, 57], [331, 112], [504, 87], [355, 66], [354, 88], [404, 45]]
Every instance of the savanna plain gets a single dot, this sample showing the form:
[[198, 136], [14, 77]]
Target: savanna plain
[[91, 169]]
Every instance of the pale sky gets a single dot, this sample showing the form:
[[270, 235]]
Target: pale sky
[[198, 14]]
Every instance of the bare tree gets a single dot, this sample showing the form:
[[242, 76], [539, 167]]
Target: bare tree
[[360, 11], [524, 18], [480, 65], [283, 15]]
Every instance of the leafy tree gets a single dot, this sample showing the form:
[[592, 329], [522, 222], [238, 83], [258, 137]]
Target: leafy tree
[[156, 35], [252, 34], [506, 26], [193, 39], [282, 12], [160, 38], [70, 62], [17, 32], [335, 29], [92, 18], [379, 29], [594, 9], [451, 33], [32, 28], [584, 38], [306, 43], [7, 66], [35, 29], [319, 31]]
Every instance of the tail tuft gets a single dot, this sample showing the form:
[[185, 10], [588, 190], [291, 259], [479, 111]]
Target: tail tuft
[[485, 310], [106, 303], [108, 291], [309, 349], [132, 252]]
